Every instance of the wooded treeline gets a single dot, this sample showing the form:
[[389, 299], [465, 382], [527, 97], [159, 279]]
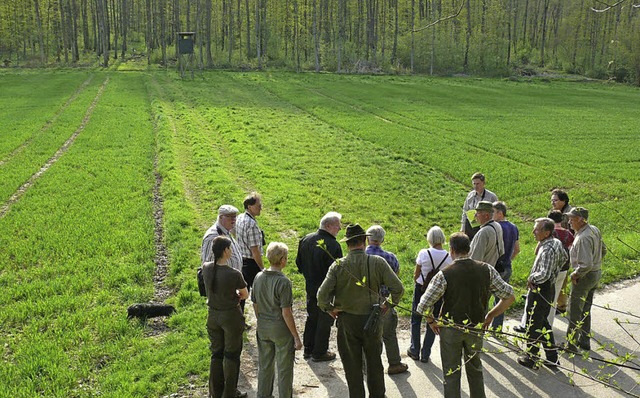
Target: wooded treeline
[[491, 37]]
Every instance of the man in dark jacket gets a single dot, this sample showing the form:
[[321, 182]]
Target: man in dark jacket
[[313, 263]]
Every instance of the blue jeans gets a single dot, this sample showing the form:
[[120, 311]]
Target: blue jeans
[[506, 276], [416, 325]]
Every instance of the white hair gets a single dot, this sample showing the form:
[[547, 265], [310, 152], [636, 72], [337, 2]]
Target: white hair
[[435, 236], [330, 218]]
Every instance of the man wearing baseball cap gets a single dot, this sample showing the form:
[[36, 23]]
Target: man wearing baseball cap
[[586, 260], [222, 227]]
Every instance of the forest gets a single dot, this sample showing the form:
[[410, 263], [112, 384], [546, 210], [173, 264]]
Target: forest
[[441, 37]]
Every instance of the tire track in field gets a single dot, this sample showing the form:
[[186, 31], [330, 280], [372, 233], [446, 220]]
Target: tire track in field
[[411, 127], [237, 174], [189, 191], [49, 123], [56, 156], [453, 142], [522, 216], [444, 174], [161, 260]]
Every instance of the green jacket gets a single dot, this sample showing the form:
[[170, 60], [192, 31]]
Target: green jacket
[[343, 288]]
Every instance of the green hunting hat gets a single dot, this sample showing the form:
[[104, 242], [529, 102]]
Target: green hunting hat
[[354, 231], [579, 212], [484, 205]]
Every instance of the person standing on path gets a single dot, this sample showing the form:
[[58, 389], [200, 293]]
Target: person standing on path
[[478, 194], [488, 244], [586, 260], [313, 263], [511, 239], [550, 257], [560, 202], [225, 222], [225, 287], [390, 318], [349, 294], [432, 259], [250, 239], [277, 335], [465, 287]]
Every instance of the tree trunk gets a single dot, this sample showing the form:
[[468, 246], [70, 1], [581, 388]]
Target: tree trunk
[[125, 26], [413, 26], [40, 32], [248, 19], [316, 39], [465, 65], [543, 40], [208, 38]]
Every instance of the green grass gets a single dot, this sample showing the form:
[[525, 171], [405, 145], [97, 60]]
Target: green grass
[[78, 247]]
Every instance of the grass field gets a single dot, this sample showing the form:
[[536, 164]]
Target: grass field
[[80, 152]]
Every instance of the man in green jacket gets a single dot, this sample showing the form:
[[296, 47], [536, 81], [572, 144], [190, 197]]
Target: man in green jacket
[[348, 294]]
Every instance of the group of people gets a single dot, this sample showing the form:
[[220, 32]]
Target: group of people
[[359, 291]]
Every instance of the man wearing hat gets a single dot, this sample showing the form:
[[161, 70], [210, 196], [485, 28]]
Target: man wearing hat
[[348, 294], [222, 227], [586, 260], [488, 244], [390, 320], [478, 194]]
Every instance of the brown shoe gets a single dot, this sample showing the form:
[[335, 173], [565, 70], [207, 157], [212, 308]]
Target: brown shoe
[[327, 356], [397, 368]]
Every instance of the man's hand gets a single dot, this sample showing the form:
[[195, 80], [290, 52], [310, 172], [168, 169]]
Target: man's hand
[[297, 343], [334, 313], [574, 277], [487, 322], [433, 324]]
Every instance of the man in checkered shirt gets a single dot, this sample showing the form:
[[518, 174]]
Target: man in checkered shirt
[[250, 238], [465, 286]]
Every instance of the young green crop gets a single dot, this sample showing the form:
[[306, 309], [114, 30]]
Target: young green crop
[[78, 246]]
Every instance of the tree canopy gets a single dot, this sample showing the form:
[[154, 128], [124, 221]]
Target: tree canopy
[[489, 37]]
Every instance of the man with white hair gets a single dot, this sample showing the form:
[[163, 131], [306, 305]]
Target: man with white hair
[[313, 263], [222, 227], [586, 260], [550, 256], [390, 320]]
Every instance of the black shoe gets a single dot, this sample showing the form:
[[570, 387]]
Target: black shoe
[[525, 360], [413, 356], [519, 329], [306, 355], [552, 366], [424, 360], [240, 394], [327, 356]]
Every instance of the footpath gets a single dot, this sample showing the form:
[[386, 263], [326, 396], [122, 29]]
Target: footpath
[[504, 377]]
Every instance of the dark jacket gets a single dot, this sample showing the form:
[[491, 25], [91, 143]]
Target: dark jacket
[[468, 291], [313, 262]]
